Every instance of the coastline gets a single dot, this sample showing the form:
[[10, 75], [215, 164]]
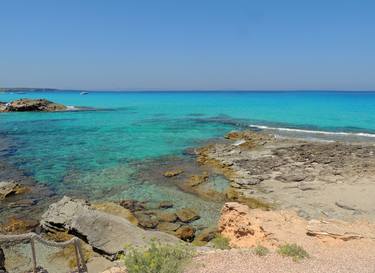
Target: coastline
[[246, 167]]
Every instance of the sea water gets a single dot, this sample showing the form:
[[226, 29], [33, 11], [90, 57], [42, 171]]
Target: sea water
[[94, 151]]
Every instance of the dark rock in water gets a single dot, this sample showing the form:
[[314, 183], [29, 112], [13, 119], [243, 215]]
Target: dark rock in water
[[32, 105], [168, 227], [133, 205], [106, 233], [187, 215], [166, 216], [186, 233]]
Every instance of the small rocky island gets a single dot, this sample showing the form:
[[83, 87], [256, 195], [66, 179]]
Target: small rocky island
[[31, 105]]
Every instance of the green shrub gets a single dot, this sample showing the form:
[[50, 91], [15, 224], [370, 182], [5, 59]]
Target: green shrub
[[157, 258], [261, 251], [294, 251], [220, 242]]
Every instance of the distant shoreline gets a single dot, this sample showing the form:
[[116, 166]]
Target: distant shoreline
[[40, 89]]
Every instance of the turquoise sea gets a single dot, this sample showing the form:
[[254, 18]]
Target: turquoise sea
[[96, 151]]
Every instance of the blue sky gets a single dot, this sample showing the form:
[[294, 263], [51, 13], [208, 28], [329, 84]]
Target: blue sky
[[188, 45]]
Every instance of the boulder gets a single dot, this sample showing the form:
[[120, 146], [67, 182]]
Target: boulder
[[187, 215], [106, 233], [146, 220], [206, 235], [166, 216], [10, 188], [186, 233], [133, 205], [33, 105], [168, 227]]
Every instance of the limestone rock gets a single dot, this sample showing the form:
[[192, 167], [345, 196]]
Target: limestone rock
[[115, 209], [187, 215], [186, 233], [104, 232], [340, 230], [146, 220], [206, 235], [168, 227], [173, 173], [196, 180], [166, 216], [10, 188], [133, 205], [33, 105], [17, 226]]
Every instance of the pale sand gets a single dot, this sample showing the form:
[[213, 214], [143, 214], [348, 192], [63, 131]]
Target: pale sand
[[348, 259]]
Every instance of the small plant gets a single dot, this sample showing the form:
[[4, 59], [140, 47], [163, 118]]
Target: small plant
[[261, 251], [220, 242], [294, 251], [157, 258]]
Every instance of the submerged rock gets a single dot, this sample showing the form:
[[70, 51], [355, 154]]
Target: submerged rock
[[168, 227], [133, 205], [146, 220], [32, 105], [187, 215], [173, 173], [106, 233]]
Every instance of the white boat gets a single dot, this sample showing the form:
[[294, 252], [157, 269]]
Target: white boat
[[83, 93]]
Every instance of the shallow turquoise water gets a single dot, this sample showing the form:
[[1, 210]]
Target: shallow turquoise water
[[91, 150]]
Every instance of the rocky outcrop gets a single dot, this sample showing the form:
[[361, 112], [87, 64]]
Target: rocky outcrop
[[246, 227], [31, 105], [106, 233], [8, 188], [2, 106]]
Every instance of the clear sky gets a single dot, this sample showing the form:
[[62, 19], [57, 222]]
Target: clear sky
[[188, 44]]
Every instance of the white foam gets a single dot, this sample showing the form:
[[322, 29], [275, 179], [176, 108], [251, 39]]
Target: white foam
[[311, 131], [70, 107]]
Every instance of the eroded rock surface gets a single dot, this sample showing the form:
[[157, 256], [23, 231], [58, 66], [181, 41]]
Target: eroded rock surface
[[252, 227], [329, 179], [106, 233]]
